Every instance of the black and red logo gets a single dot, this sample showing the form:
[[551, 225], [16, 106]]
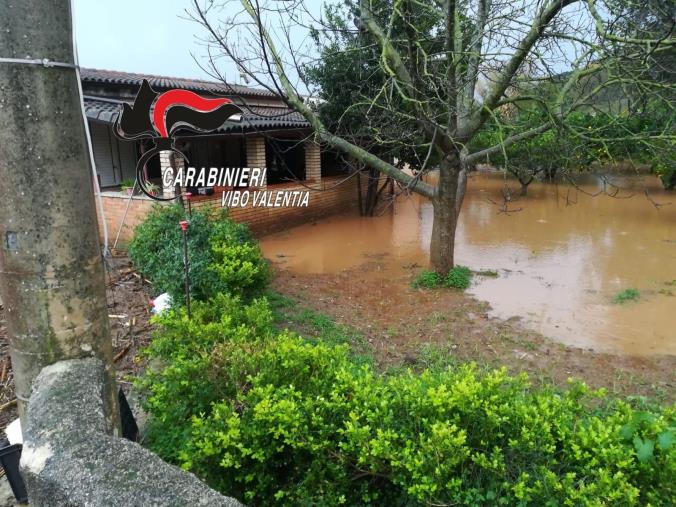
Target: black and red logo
[[159, 116]]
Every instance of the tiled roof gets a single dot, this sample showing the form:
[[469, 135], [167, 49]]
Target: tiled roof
[[164, 82], [253, 118], [101, 109]]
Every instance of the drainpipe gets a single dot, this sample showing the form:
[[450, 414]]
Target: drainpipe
[[51, 271]]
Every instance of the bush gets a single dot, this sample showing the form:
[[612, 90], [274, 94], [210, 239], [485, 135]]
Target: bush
[[427, 280], [223, 255], [458, 277], [274, 419]]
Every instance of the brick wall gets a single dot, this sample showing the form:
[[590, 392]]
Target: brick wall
[[326, 198], [114, 205]]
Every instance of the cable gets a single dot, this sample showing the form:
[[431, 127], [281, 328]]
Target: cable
[[90, 149], [45, 62]]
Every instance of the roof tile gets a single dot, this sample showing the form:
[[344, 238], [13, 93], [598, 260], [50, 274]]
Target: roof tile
[[165, 82]]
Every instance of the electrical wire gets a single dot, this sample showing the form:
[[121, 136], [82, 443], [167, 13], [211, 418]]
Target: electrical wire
[[90, 149]]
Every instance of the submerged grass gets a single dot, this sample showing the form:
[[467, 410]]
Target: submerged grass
[[489, 273], [626, 296]]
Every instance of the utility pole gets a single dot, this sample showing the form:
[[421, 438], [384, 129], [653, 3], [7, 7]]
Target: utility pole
[[51, 270]]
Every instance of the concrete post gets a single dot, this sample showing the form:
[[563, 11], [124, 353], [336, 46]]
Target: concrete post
[[51, 270]]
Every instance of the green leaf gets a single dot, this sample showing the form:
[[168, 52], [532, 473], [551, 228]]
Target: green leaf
[[627, 431], [644, 449], [665, 439], [644, 416]]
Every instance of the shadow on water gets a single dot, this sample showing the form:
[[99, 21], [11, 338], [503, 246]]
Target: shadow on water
[[561, 254]]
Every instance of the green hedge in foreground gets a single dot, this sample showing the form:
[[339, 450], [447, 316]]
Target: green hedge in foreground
[[273, 419]]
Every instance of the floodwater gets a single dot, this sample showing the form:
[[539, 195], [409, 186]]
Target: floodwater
[[561, 255]]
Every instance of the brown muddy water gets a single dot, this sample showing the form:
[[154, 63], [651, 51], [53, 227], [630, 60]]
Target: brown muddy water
[[561, 255]]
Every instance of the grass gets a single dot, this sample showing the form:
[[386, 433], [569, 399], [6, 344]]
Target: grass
[[458, 277], [489, 273], [626, 296], [316, 326], [427, 280]]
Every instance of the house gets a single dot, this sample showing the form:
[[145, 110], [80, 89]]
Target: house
[[269, 135]]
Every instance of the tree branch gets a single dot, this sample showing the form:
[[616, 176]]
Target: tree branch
[[478, 155], [547, 13], [320, 130]]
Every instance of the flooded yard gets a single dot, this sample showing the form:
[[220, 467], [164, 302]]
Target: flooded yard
[[561, 256]]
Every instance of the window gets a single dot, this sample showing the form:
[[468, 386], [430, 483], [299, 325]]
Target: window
[[333, 164], [285, 160]]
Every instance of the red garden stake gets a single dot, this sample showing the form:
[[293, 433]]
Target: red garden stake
[[188, 195], [186, 264]]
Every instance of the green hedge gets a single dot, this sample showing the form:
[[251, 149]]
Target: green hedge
[[274, 419], [223, 255]]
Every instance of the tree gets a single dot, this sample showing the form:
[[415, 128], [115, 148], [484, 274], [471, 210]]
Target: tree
[[432, 54]]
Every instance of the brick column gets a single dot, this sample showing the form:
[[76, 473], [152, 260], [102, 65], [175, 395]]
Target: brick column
[[167, 160], [255, 153], [313, 162]]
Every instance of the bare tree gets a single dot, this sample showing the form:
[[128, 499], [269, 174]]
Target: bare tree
[[557, 55]]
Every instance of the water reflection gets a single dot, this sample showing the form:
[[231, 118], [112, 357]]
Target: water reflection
[[561, 258]]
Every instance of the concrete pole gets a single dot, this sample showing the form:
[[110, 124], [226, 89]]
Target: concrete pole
[[51, 271]]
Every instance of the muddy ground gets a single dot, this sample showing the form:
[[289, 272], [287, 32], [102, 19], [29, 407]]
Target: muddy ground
[[128, 311], [398, 320]]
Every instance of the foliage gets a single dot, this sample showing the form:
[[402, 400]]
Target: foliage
[[184, 385], [458, 277], [586, 138], [348, 75], [127, 183], [319, 327], [626, 296], [427, 280], [274, 419], [223, 257]]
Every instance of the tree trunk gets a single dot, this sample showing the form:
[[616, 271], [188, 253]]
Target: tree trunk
[[372, 192], [524, 189], [446, 204], [52, 276]]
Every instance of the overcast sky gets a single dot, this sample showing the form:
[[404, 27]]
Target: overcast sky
[[151, 37], [145, 36]]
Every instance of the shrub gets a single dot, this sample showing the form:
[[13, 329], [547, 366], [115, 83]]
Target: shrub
[[426, 280], [181, 382], [626, 296], [223, 256], [458, 277], [274, 419]]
